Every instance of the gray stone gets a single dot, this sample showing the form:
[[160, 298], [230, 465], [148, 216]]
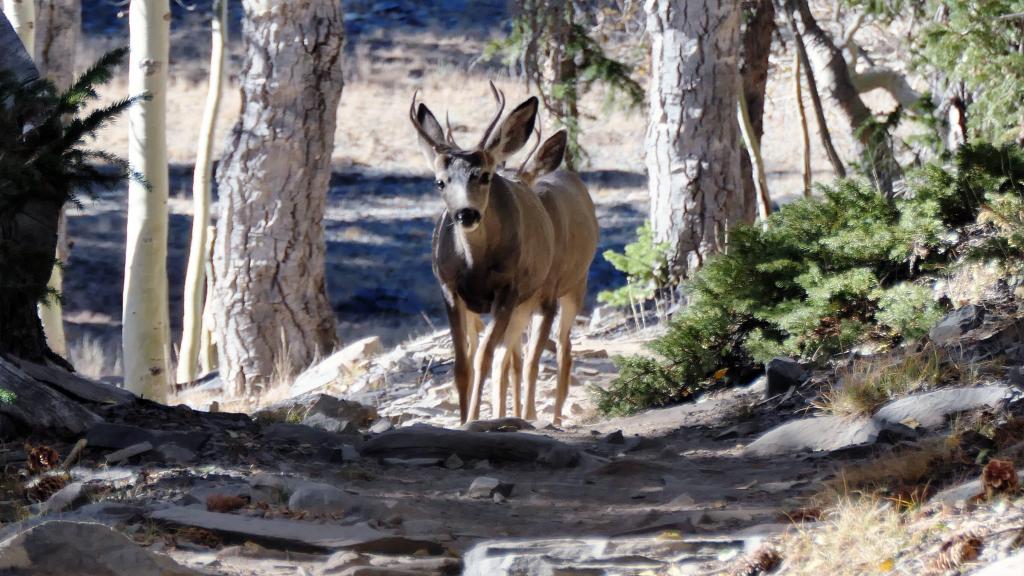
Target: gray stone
[[316, 498], [615, 438], [174, 454], [956, 324], [67, 498], [508, 424], [422, 441], [270, 488], [61, 547], [487, 487], [330, 424], [129, 452], [292, 533], [420, 462], [453, 462], [822, 433], [781, 374], [336, 367], [933, 409], [284, 434], [118, 436], [381, 426]]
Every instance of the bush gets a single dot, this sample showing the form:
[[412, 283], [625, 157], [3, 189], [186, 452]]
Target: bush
[[645, 264], [826, 273]]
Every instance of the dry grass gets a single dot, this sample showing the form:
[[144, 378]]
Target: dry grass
[[867, 383], [93, 359], [858, 535]]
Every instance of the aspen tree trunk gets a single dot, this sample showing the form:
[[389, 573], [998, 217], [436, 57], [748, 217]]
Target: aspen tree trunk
[[693, 142], [57, 25], [195, 274], [753, 148], [756, 48], [22, 16], [145, 330], [270, 298], [801, 112]]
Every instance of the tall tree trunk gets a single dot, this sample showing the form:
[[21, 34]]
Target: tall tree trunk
[[22, 16], [757, 46], [28, 238], [270, 298], [145, 330], [693, 145], [195, 274], [801, 114], [57, 25], [833, 77]]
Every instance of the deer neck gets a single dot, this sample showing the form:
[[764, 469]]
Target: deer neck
[[475, 247]]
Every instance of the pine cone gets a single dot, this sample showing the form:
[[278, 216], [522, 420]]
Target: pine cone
[[957, 551], [200, 536], [41, 458], [999, 477], [46, 486], [763, 561]]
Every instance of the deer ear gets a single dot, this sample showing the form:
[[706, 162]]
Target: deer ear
[[433, 129], [515, 131], [549, 156]]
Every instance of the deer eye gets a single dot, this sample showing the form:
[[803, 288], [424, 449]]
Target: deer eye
[[440, 184]]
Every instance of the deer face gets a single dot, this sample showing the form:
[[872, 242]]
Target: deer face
[[463, 177], [464, 181]]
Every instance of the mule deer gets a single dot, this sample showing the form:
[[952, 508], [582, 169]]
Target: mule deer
[[493, 251]]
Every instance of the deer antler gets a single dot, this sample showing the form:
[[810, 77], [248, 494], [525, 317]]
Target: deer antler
[[500, 97], [522, 167], [416, 124], [448, 135]]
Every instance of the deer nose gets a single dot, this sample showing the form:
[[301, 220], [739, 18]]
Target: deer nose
[[467, 217]]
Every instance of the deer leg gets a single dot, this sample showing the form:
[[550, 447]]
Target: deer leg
[[495, 331], [516, 376], [568, 305], [508, 350], [538, 337], [463, 357]]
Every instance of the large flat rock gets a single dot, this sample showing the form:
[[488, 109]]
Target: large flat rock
[[62, 547], [822, 433], [933, 409], [294, 534], [1010, 566], [830, 433], [423, 441]]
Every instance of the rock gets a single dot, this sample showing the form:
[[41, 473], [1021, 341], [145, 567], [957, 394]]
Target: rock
[[932, 409], [822, 433], [422, 441], [270, 488], [316, 498], [487, 487], [285, 434], [381, 426], [174, 454], [337, 366], [67, 498], [61, 547], [615, 438], [118, 436], [420, 462], [956, 324], [453, 462], [129, 452], [292, 533], [11, 511], [510, 424], [782, 374], [961, 493], [331, 424]]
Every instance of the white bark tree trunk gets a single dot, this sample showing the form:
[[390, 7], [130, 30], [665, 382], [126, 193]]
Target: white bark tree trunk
[[57, 25], [22, 16], [693, 143], [270, 299], [145, 332], [195, 274]]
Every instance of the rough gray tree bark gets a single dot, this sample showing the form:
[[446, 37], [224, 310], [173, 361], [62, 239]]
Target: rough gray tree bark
[[757, 46], [835, 80], [693, 143], [270, 299]]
